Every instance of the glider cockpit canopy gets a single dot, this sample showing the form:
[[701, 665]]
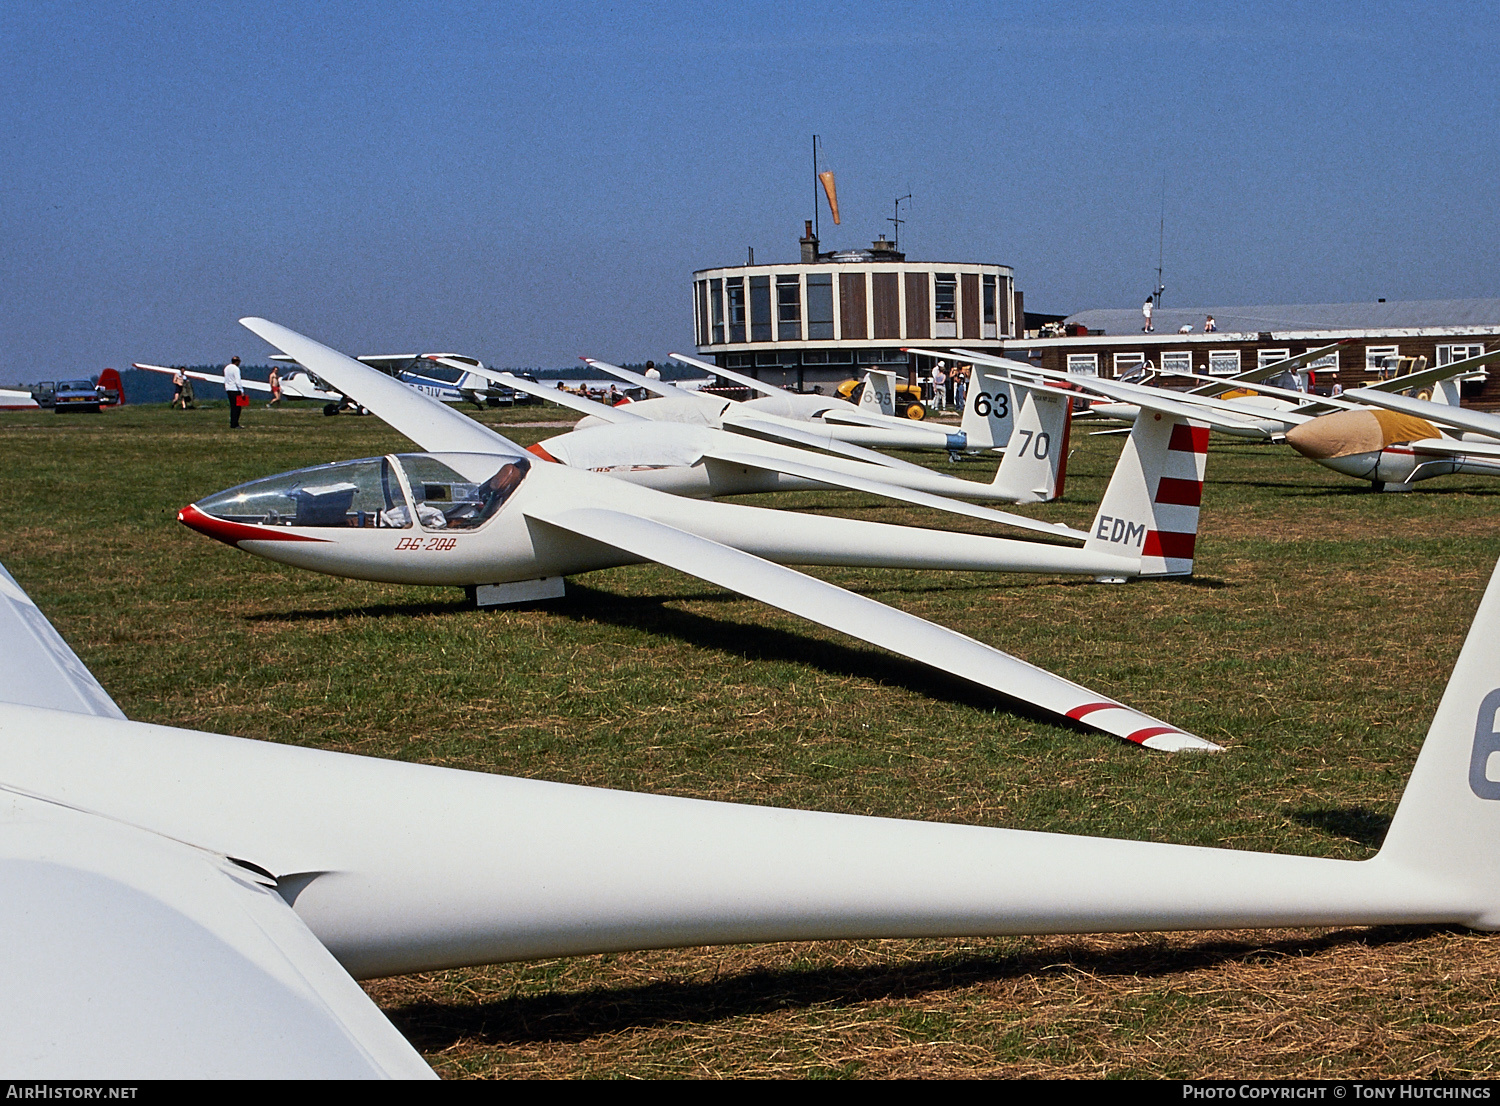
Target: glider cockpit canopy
[[441, 491]]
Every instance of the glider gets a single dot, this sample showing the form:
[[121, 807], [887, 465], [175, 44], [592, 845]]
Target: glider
[[1403, 440], [485, 515], [831, 418], [185, 904], [705, 462]]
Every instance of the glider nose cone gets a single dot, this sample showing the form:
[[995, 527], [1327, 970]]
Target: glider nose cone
[[1337, 435]]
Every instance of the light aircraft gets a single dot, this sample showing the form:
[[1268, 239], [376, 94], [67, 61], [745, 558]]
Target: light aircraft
[[179, 903], [488, 516]]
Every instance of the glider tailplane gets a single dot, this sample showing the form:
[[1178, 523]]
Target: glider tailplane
[[1036, 461], [1448, 820], [989, 410], [879, 394], [1150, 509]]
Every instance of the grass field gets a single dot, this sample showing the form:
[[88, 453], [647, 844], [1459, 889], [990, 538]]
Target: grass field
[[1313, 642]]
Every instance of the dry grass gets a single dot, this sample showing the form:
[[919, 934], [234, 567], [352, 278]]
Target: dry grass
[[1314, 643]]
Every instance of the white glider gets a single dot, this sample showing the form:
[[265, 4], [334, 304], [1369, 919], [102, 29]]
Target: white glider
[[182, 904], [485, 514]]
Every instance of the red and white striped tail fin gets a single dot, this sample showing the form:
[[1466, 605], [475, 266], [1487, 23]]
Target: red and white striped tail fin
[[1150, 509]]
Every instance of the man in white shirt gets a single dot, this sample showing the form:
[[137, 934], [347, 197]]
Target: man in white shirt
[[234, 388]]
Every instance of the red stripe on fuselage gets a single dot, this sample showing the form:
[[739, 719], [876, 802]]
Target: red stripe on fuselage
[[1169, 543], [232, 533], [1184, 493], [1188, 439]]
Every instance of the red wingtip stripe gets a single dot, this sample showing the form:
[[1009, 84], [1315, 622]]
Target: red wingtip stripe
[[1151, 731], [1188, 439], [1184, 493], [1089, 708], [1169, 543]]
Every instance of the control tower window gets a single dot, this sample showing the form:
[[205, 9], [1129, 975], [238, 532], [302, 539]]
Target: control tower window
[[735, 293], [788, 309], [760, 309], [945, 305], [819, 307]]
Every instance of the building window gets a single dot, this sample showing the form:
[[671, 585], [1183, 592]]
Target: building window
[[739, 361], [1382, 360], [760, 309], [991, 320], [1224, 362], [788, 309], [1264, 357], [1083, 364], [945, 305], [1177, 361], [1329, 364], [734, 292], [1127, 363], [815, 357], [716, 306], [1448, 355], [819, 307]]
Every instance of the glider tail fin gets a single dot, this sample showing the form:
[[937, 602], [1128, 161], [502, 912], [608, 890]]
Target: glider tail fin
[[110, 380], [879, 395], [1036, 461], [1150, 509], [1447, 826], [989, 411]]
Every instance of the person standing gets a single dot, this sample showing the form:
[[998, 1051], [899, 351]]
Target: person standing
[[234, 388], [1146, 309], [178, 379], [652, 372], [275, 383], [939, 384]]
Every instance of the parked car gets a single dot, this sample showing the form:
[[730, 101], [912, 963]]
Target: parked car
[[76, 395]]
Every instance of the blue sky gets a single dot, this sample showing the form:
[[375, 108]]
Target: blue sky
[[529, 183]]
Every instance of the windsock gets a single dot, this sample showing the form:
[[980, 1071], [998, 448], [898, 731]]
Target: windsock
[[831, 192]]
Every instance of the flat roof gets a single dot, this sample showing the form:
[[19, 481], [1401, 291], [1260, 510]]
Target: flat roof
[[1304, 317]]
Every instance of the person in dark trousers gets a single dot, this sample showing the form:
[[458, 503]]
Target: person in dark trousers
[[234, 388]]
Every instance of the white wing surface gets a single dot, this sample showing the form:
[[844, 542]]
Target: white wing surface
[[423, 419], [39, 670], [866, 619]]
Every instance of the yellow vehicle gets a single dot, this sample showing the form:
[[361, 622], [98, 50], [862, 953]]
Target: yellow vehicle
[[908, 398]]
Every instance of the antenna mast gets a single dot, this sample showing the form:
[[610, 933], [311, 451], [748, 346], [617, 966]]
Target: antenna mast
[[898, 220], [1161, 238], [815, 187]]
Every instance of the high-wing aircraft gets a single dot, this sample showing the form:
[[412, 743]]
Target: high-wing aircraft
[[179, 903], [486, 515]]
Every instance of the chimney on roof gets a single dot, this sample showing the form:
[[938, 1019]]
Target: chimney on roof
[[809, 244], [883, 250]]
